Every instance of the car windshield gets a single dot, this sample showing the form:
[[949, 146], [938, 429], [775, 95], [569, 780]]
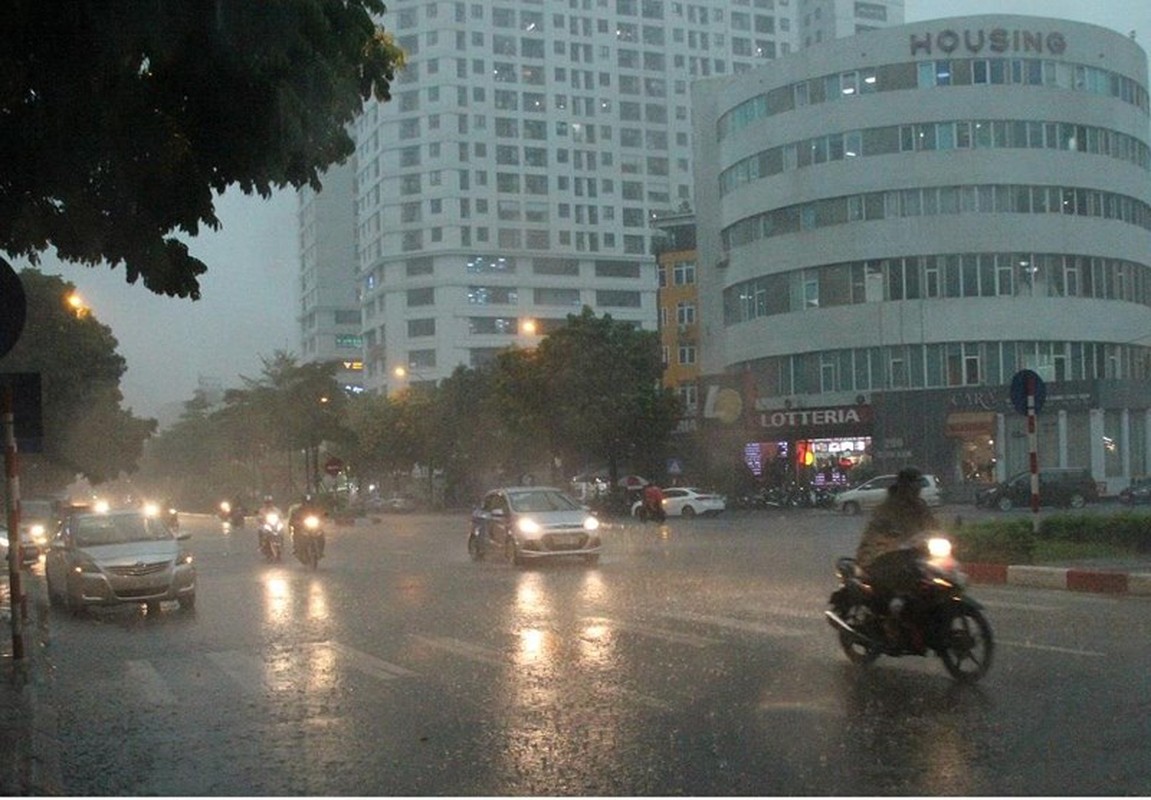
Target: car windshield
[[119, 529], [35, 509], [541, 500]]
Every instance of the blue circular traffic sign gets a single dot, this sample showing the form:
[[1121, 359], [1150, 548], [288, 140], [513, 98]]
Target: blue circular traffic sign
[[1024, 382]]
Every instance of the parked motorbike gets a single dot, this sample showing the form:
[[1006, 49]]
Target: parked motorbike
[[271, 533], [936, 616], [308, 539]]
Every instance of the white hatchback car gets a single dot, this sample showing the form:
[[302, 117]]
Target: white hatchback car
[[870, 493]]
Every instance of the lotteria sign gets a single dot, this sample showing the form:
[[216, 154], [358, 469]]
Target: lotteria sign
[[995, 40], [815, 418]]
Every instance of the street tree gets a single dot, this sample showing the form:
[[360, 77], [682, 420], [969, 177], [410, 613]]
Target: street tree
[[87, 432], [120, 121], [604, 398]]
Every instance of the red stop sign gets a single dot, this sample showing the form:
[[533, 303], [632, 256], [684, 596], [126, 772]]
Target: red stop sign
[[333, 466]]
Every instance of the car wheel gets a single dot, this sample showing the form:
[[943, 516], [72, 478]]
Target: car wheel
[[475, 548], [688, 512], [1004, 503], [1077, 500], [187, 601], [851, 507]]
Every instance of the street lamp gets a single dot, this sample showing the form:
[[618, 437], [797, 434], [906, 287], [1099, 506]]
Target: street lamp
[[77, 304]]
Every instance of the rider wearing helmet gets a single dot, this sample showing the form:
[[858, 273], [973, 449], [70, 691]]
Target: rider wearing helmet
[[903, 515], [267, 507]]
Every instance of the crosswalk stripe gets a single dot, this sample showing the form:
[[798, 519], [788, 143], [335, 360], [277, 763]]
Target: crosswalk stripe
[[369, 664], [147, 681], [675, 637], [731, 623], [468, 650]]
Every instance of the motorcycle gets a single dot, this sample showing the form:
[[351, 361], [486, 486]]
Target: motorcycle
[[271, 533], [937, 616], [308, 538], [231, 516]]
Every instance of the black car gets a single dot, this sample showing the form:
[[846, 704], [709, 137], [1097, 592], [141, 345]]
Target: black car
[[1067, 488], [1138, 493]]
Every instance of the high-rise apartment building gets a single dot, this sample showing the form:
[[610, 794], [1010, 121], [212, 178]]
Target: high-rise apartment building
[[329, 306], [514, 176]]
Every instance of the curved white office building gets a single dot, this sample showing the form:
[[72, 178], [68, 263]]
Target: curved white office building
[[893, 225]]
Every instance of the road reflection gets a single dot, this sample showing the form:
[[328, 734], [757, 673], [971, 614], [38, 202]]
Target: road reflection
[[562, 670]]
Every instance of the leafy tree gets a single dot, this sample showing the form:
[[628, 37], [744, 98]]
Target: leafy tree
[[120, 119], [603, 393], [86, 432]]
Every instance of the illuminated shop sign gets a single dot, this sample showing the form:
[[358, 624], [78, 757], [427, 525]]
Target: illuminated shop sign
[[815, 417], [996, 40]]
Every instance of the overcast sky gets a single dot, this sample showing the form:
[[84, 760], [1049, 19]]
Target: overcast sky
[[248, 304]]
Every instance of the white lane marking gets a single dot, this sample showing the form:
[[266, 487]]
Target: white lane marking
[[743, 625], [147, 681], [674, 637], [1018, 606], [1052, 648], [468, 650], [368, 664]]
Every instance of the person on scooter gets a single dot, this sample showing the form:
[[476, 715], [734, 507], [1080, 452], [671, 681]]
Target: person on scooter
[[653, 502], [884, 552], [266, 508], [298, 512]]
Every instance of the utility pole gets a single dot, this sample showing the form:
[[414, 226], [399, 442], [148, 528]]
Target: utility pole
[[12, 501]]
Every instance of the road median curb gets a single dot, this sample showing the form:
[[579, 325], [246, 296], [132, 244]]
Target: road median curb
[[1066, 578]]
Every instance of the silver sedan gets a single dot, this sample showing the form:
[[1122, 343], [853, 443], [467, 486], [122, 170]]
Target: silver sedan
[[119, 557]]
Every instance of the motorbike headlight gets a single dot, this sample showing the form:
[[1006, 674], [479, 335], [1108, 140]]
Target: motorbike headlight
[[311, 522], [590, 524], [528, 525], [938, 547], [38, 534], [272, 519], [225, 506]]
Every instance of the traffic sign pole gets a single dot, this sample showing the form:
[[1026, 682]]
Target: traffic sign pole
[[1033, 447]]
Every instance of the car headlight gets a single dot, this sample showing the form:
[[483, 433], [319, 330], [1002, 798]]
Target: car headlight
[[591, 524], [184, 559], [38, 534], [151, 509], [528, 525]]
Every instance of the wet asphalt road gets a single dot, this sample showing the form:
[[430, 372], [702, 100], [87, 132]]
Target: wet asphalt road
[[693, 660]]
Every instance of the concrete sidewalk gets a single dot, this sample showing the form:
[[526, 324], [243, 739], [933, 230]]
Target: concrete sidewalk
[[29, 753]]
